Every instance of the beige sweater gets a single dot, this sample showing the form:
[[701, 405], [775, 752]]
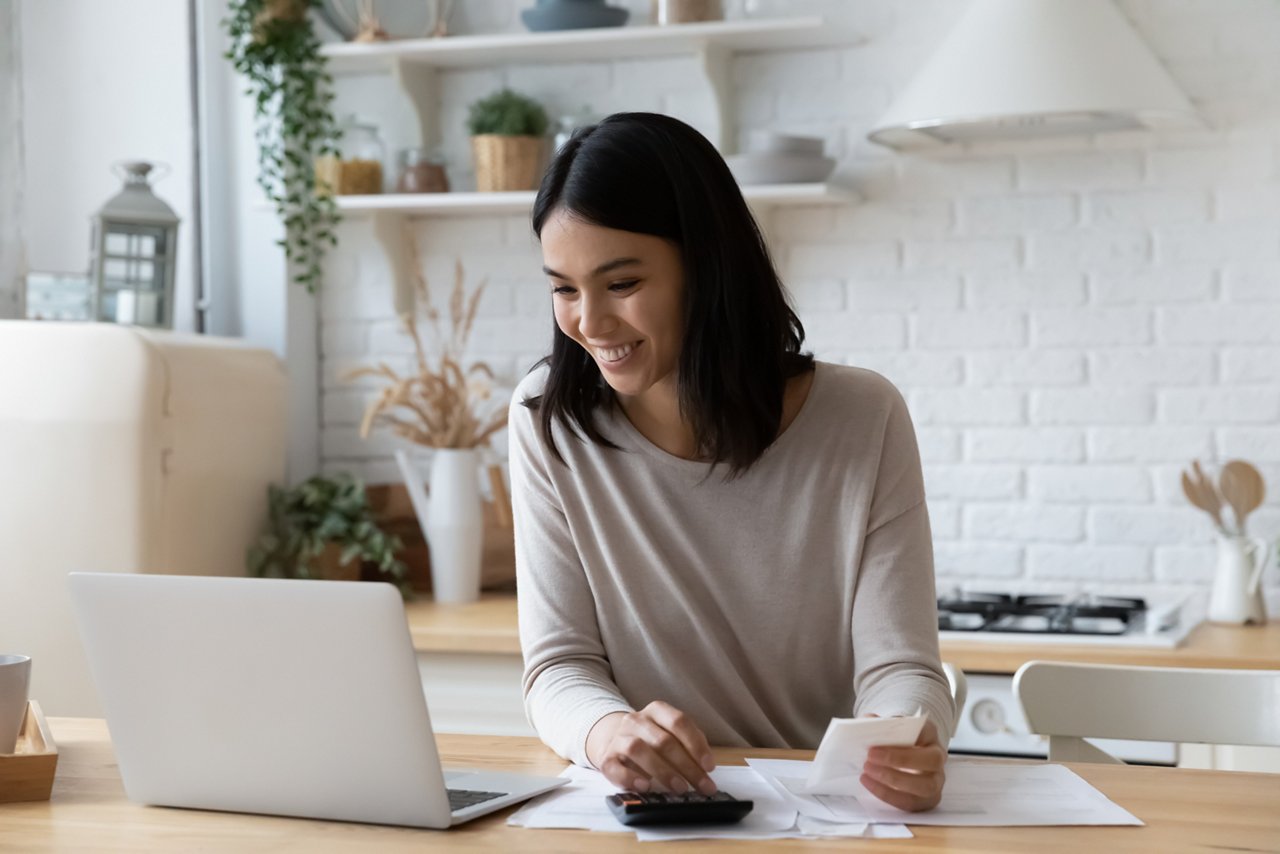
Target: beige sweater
[[763, 607]]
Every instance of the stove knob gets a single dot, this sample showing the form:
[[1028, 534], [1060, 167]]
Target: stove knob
[[988, 717]]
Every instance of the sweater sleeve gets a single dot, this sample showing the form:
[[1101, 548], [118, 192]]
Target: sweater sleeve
[[567, 685], [897, 668]]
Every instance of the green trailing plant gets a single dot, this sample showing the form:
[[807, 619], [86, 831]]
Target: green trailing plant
[[319, 512], [507, 113], [274, 47]]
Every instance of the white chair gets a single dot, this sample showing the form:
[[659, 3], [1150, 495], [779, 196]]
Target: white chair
[[959, 687], [1069, 702]]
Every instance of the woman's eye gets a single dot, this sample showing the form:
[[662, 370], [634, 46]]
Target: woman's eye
[[622, 286], [562, 290]]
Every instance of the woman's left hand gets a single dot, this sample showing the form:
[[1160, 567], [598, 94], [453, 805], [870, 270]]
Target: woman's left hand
[[909, 778]]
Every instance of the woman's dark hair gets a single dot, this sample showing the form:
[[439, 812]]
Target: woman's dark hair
[[652, 174]]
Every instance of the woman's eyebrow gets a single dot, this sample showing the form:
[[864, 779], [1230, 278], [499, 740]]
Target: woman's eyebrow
[[606, 267]]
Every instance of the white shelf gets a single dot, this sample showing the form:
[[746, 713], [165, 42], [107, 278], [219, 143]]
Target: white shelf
[[602, 43], [440, 204]]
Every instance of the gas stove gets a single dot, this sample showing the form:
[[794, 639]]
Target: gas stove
[[1053, 618]]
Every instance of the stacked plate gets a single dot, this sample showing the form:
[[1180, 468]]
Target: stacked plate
[[549, 15], [777, 158]]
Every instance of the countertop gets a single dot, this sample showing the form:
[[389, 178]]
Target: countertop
[[489, 626], [1183, 809]]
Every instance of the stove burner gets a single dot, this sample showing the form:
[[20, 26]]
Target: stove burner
[[1040, 613]]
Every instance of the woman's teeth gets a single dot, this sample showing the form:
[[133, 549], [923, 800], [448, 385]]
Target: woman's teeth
[[615, 354]]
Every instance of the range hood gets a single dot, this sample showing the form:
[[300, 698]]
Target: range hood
[[1026, 68]]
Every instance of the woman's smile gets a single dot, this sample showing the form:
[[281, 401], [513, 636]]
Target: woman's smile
[[613, 358]]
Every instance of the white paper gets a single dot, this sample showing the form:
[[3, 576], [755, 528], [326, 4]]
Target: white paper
[[578, 805], [976, 794], [843, 750], [991, 794], [817, 827]]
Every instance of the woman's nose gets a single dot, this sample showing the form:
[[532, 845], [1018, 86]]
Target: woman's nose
[[596, 319]]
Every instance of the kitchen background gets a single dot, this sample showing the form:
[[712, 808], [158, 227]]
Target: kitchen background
[[1072, 319]]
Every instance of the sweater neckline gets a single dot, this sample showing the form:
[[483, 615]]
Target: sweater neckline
[[699, 468]]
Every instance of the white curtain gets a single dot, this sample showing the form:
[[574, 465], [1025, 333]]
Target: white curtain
[[12, 256]]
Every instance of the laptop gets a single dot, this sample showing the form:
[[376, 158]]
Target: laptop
[[275, 696]]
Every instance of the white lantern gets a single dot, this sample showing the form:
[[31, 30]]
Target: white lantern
[[135, 247]]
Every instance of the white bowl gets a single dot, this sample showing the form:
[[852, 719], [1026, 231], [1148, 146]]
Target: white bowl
[[779, 168], [768, 142]]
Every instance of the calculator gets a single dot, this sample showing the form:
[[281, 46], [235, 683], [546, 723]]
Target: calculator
[[666, 808]]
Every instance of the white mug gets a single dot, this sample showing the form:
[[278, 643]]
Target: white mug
[[15, 677]]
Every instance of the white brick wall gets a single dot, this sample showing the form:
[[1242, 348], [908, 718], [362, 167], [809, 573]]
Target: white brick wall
[[1071, 320]]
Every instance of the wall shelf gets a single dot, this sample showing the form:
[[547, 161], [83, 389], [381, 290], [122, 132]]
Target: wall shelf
[[605, 43], [415, 66], [444, 204]]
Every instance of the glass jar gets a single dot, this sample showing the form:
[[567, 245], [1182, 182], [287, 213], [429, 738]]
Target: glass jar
[[358, 171], [568, 123], [686, 11], [420, 171]]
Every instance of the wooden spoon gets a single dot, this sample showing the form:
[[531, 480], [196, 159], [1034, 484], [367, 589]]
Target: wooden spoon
[[1244, 489], [1206, 495], [1190, 490]]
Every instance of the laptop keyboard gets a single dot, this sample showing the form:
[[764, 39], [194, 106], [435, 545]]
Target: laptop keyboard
[[460, 799]]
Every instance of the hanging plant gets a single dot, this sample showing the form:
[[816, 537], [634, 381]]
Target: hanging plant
[[275, 48]]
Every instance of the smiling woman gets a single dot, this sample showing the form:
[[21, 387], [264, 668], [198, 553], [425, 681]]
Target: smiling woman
[[718, 540]]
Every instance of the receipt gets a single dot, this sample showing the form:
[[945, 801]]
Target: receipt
[[843, 751]]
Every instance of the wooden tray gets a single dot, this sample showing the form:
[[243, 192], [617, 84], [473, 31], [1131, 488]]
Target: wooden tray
[[27, 773]]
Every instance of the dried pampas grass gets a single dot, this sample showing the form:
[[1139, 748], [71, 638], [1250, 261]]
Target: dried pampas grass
[[443, 405]]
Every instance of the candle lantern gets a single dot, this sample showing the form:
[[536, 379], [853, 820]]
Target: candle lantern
[[135, 243]]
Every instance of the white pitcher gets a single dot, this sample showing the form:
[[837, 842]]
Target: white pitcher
[[1237, 586], [452, 520]]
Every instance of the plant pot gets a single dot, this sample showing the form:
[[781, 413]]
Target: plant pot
[[328, 565], [506, 163]]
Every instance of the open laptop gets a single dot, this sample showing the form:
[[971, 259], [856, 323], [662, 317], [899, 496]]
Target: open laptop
[[284, 697]]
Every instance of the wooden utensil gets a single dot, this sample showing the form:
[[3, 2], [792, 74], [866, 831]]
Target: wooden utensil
[[1243, 487], [1201, 492]]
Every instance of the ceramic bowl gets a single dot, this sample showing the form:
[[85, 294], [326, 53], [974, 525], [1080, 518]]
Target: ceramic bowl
[[572, 15], [773, 168], [768, 142]]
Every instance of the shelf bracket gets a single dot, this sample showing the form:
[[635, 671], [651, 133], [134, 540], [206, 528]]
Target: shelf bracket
[[716, 61], [420, 83], [391, 230]]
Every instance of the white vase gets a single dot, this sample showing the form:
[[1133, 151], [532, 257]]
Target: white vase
[[1236, 596], [452, 521]]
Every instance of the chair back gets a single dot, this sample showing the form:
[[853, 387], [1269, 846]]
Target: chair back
[[1069, 702]]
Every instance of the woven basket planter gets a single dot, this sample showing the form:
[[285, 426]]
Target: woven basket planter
[[505, 163]]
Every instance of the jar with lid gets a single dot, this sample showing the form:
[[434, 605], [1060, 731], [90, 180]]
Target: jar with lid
[[358, 171], [419, 170]]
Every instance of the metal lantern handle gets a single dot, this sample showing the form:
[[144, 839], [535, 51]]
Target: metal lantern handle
[[153, 174]]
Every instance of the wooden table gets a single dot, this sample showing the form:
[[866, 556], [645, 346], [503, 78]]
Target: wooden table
[[1184, 811], [489, 626]]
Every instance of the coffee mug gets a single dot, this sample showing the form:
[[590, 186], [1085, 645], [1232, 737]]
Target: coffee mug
[[15, 676]]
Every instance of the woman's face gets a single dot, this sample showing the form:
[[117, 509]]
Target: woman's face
[[618, 294]]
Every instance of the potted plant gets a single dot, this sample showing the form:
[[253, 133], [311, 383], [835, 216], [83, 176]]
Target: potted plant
[[507, 131], [448, 406], [323, 528], [275, 48]]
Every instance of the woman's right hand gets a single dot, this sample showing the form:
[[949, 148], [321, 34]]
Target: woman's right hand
[[658, 747]]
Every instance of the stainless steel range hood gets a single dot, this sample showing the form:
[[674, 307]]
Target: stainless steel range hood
[[1023, 68]]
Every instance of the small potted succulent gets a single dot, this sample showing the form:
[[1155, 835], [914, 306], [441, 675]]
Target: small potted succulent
[[324, 528], [507, 134]]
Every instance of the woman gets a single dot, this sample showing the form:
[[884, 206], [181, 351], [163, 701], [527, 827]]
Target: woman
[[718, 540]]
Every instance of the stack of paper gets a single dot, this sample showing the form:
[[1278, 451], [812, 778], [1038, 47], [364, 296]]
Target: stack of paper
[[977, 793]]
